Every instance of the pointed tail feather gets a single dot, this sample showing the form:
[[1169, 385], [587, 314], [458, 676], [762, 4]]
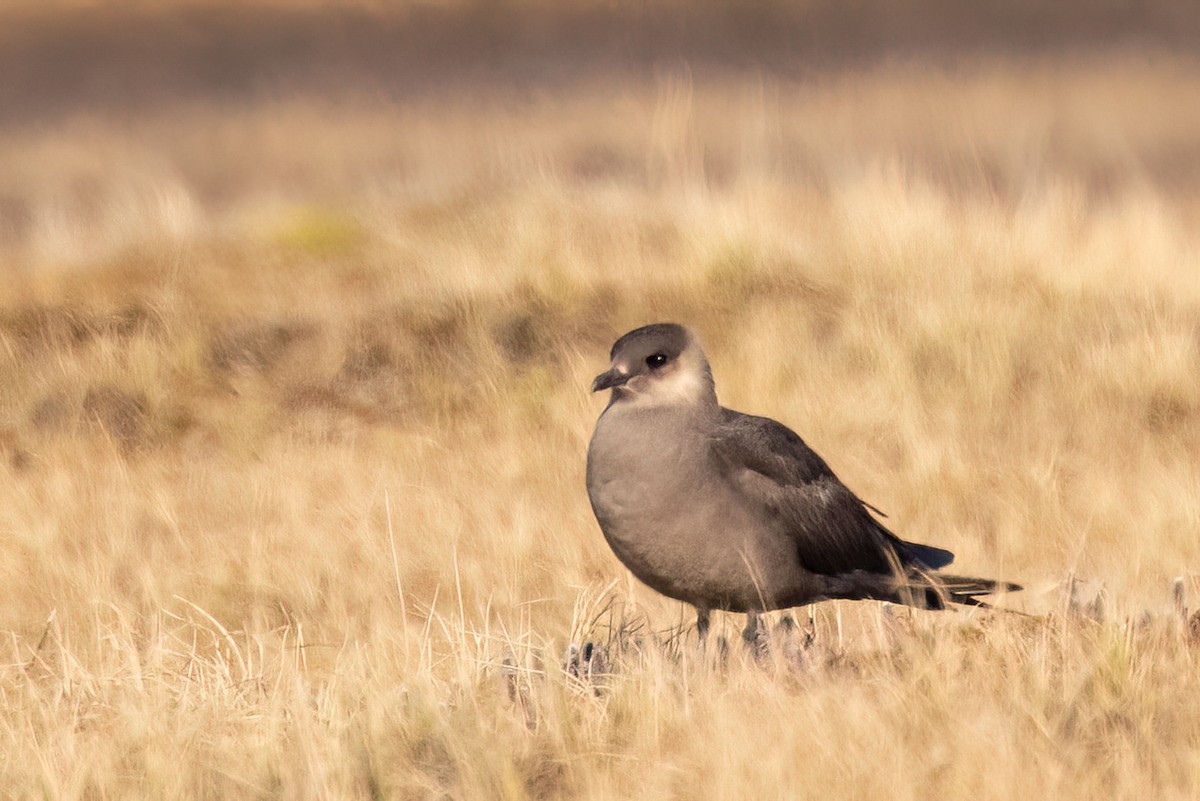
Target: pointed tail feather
[[968, 586], [965, 590], [920, 589]]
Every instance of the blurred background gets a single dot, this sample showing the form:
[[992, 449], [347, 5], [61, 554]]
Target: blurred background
[[300, 302], [954, 245], [954, 242], [192, 116]]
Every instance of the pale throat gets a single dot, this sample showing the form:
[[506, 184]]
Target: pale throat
[[690, 385]]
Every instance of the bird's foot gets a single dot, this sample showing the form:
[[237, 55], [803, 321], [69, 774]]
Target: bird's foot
[[785, 644], [588, 662], [791, 643], [754, 636]]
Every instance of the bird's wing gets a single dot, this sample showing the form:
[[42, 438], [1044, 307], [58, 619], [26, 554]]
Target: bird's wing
[[834, 532]]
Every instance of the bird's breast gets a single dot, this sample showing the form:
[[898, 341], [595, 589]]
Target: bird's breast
[[640, 472], [664, 510]]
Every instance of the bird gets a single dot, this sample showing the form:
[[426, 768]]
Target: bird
[[734, 512]]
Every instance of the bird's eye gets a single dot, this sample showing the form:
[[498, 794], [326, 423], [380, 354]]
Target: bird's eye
[[656, 361]]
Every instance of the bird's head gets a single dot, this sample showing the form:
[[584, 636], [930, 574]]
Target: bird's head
[[658, 365]]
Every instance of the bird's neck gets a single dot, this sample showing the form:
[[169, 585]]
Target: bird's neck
[[693, 387], [697, 402]]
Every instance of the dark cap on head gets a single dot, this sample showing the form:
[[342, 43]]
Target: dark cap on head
[[653, 353], [671, 338]]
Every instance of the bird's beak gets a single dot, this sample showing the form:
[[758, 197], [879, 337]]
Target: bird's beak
[[613, 378]]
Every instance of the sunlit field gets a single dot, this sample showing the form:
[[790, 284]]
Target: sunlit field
[[294, 408]]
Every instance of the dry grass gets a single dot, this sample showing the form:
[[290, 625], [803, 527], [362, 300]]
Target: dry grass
[[294, 412]]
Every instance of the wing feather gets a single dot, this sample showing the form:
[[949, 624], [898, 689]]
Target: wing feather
[[834, 532]]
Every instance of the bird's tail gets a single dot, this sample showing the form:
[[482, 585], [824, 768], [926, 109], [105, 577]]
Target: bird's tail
[[964, 590], [924, 589]]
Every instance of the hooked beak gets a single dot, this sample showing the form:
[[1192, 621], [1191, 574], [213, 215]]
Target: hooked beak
[[613, 378]]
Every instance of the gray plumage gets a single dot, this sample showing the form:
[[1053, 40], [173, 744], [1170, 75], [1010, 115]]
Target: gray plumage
[[724, 510]]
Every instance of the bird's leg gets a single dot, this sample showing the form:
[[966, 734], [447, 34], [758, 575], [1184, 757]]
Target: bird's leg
[[721, 651], [751, 630], [702, 625], [752, 635]]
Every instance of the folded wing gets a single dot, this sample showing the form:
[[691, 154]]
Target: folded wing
[[833, 528]]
